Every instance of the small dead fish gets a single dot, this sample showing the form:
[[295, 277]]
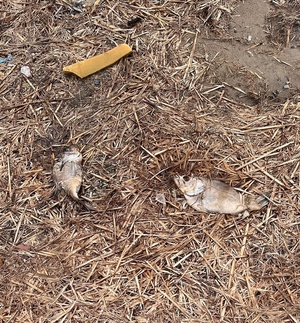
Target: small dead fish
[[67, 172], [213, 196]]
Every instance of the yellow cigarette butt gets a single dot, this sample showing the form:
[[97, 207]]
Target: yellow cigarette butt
[[97, 63]]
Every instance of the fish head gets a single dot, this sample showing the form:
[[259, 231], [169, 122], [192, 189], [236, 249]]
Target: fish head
[[190, 187], [72, 154]]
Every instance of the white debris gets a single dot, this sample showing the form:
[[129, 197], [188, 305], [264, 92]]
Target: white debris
[[25, 70]]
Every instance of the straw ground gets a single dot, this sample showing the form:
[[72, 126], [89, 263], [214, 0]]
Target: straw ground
[[187, 101]]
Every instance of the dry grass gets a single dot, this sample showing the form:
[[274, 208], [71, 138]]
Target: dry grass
[[138, 123]]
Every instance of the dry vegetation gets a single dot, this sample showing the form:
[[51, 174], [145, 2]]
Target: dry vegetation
[[139, 122]]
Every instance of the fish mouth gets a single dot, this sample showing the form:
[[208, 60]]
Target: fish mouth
[[180, 179], [181, 183], [73, 155], [189, 186], [72, 150]]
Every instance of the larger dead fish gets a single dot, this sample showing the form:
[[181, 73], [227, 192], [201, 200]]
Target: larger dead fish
[[67, 172], [213, 196]]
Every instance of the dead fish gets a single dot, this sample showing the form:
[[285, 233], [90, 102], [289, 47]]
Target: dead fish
[[213, 196], [67, 172]]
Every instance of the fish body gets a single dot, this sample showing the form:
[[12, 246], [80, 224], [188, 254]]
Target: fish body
[[67, 172], [214, 196]]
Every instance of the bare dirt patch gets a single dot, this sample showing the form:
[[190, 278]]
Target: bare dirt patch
[[257, 55]]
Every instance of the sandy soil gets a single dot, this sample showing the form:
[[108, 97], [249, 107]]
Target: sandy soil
[[260, 53]]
